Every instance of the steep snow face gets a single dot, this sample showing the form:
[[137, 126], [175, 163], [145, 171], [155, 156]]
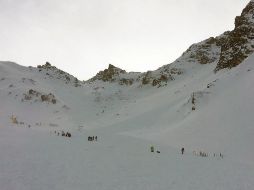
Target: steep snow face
[[220, 121], [199, 110]]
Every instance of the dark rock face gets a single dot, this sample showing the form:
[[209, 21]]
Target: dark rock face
[[126, 82], [48, 98], [238, 44], [108, 74], [202, 52], [232, 46], [147, 78], [33, 95], [163, 78]]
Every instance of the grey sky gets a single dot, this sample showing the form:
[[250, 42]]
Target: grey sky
[[84, 36]]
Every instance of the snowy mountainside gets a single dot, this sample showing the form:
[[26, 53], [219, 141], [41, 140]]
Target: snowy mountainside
[[199, 98], [203, 102], [28, 94], [127, 121], [46, 96]]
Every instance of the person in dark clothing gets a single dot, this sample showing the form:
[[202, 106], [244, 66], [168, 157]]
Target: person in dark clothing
[[182, 150], [152, 149]]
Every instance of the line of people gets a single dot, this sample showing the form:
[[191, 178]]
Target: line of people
[[196, 153], [204, 154], [63, 134], [92, 138]]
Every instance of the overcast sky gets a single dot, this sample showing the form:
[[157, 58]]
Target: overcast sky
[[84, 36]]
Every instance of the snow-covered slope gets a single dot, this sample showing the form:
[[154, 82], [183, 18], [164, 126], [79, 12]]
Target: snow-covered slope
[[184, 104], [127, 121]]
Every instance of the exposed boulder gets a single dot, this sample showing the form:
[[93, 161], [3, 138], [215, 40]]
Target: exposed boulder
[[14, 119], [38, 96], [127, 82], [48, 98], [158, 81], [176, 71], [147, 78]]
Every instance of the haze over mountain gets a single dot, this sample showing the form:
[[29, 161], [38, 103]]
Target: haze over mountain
[[203, 102]]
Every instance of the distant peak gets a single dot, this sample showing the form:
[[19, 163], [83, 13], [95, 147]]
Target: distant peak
[[47, 65], [110, 66], [53, 71], [108, 74], [246, 18], [238, 44]]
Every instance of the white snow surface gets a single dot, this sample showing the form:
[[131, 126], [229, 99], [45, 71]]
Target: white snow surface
[[128, 120]]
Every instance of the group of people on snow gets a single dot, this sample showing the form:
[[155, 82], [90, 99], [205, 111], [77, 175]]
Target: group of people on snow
[[63, 134], [92, 138], [196, 153], [204, 154], [153, 150]]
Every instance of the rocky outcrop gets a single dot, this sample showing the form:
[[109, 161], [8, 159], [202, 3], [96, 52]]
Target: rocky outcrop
[[204, 52], [159, 81], [110, 74], [157, 78], [238, 44], [160, 77], [147, 78], [33, 95], [54, 72], [229, 49], [48, 98], [127, 82]]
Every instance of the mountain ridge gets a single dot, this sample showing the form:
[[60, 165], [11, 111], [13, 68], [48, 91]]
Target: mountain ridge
[[232, 48]]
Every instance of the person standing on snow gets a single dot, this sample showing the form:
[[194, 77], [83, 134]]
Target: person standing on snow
[[182, 150]]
